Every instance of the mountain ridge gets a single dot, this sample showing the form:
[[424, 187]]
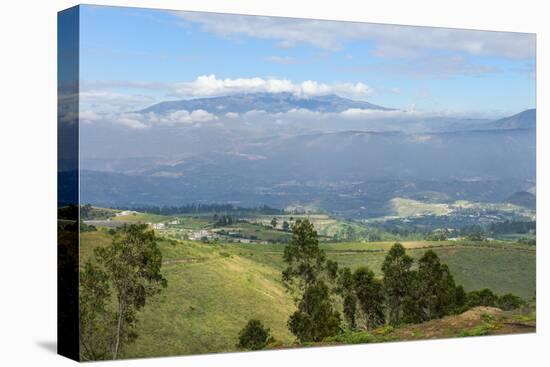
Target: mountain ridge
[[268, 102], [526, 119]]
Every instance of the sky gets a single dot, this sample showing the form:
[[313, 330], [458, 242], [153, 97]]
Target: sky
[[132, 58]]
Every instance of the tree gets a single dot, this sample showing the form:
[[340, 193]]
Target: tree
[[304, 258], [374, 236], [95, 319], [460, 299], [274, 222], [345, 289], [370, 295], [476, 236], [286, 226], [315, 318], [413, 305], [132, 262], [438, 235], [254, 336], [436, 286], [397, 272], [448, 297], [350, 310], [331, 268], [349, 233]]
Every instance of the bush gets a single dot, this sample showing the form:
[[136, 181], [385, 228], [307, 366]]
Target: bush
[[87, 228], [509, 302], [254, 336], [480, 330], [484, 297], [476, 236], [460, 299]]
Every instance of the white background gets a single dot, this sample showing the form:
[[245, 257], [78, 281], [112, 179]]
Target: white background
[[28, 182]]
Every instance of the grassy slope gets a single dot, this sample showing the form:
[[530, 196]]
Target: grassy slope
[[501, 270], [215, 288], [212, 292], [502, 267]]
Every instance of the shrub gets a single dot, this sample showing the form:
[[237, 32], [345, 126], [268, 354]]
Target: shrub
[[254, 336], [476, 331], [484, 297], [509, 302], [476, 236]]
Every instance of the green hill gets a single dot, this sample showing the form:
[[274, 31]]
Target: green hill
[[212, 292], [215, 288]]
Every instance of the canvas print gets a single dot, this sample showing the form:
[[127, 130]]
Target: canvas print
[[236, 182]]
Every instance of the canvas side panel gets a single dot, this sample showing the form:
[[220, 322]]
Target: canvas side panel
[[68, 183]]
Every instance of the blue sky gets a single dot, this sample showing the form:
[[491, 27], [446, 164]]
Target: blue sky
[[131, 58]]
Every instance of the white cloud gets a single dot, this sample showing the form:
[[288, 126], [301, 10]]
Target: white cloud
[[389, 40], [231, 115], [129, 120], [304, 114], [106, 100], [186, 117], [359, 113], [295, 120], [210, 85], [351, 114], [283, 60], [420, 138], [136, 120], [88, 117]]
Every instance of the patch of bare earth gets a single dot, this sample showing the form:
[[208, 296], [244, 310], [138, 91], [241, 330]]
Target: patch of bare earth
[[495, 320]]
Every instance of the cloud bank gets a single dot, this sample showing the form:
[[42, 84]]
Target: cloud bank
[[210, 85], [259, 118], [139, 121]]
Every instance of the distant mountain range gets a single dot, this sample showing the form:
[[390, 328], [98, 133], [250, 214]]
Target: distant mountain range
[[523, 120], [285, 102], [268, 102], [338, 163]]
